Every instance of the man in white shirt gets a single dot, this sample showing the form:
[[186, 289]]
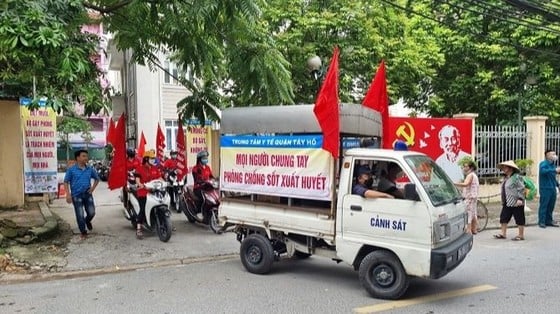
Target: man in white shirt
[[450, 143]]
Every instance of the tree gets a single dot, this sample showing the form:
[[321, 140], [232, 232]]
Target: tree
[[223, 43], [69, 125], [44, 53], [366, 32], [490, 52]]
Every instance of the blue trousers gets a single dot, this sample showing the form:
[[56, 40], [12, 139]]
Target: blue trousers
[[546, 205], [83, 202]]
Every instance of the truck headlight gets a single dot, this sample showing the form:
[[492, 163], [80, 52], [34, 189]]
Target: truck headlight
[[444, 231]]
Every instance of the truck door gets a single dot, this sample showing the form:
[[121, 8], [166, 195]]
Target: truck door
[[384, 221]]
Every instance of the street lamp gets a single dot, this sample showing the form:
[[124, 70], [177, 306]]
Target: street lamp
[[529, 81], [314, 65]]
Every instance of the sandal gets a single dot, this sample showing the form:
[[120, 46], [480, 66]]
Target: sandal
[[518, 238], [499, 236], [139, 234]]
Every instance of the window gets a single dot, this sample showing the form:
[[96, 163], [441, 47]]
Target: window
[[171, 128], [172, 70]]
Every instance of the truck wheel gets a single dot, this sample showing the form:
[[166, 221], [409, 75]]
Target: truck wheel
[[257, 254], [382, 275]]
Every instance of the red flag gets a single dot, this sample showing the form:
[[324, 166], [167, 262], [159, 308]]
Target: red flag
[[160, 143], [377, 99], [117, 175], [142, 145], [181, 152], [110, 131], [326, 108]]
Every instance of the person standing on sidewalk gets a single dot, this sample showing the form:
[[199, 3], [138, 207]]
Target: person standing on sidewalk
[[547, 188], [470, 193], [77, 182], [513, 200]]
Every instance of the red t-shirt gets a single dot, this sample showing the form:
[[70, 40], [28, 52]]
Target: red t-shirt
[[170, 164], [131, 165], [146, 173], [201, 173]]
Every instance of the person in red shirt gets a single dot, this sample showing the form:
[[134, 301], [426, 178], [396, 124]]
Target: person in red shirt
[[171, 163], [132, 162], [145, 173], [201, 173]]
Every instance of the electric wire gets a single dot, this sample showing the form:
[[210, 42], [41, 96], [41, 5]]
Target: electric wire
[[501, 41], [498, 16]]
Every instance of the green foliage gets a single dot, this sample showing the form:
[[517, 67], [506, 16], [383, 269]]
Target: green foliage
[[491, 49], [69, 125], [523, 164], [366, 32], [41, 44], [465, 160], [223, 43]]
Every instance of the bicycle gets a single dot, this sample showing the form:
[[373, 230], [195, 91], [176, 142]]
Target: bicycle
[[481, 216]]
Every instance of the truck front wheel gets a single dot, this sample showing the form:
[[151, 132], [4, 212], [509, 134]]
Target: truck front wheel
[[257, 254], [382, 275]]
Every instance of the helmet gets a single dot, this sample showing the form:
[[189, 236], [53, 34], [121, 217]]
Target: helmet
[[150, 154], [130, 152], [202, 154]]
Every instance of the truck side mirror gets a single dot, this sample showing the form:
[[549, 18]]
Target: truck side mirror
[[410, 192]]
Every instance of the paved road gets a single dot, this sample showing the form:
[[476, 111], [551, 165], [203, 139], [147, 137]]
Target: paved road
[[113, 241], [499, 276]]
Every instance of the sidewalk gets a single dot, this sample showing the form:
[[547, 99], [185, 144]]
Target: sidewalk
[[112, 245]]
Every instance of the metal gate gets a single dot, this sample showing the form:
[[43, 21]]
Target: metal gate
[[552, 139], [497, 143]]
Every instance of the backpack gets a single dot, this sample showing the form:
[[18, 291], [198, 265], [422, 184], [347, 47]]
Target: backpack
[[530, 188]]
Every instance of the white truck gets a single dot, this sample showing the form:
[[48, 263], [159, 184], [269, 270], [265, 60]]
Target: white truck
[[285, 196]]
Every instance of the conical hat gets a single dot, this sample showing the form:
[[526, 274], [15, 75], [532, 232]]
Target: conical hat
[[508, 163]]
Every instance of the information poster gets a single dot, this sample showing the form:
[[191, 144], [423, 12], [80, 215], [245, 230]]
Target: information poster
[[198, 139], [289, 166], [39, 147]]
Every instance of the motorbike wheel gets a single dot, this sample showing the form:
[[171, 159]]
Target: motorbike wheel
[[214, 223], [185, 207], [163, 225]]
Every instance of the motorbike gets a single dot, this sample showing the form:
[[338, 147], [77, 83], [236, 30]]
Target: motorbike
[[158, 216], [174, 188], [207, 212], [102, 171]]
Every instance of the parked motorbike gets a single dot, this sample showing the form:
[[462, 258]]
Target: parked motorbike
[[174, 188], [207, 212], [102, 171], [158, 216]]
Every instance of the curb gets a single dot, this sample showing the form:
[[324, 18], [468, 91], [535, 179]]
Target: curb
[[49, 227], [6, 279]]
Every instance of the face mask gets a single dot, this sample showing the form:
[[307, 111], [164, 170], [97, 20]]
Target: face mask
[[152, 161], [173, 156], [369, 182], [204, 161], [553, 158]]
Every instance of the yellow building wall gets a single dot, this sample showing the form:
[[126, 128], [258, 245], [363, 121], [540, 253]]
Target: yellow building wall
[[11, 155]]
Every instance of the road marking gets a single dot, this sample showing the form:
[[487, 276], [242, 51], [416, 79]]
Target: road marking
[[425, 299]]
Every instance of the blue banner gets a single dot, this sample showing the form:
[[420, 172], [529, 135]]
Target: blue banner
[[24, 101], [283, 141]]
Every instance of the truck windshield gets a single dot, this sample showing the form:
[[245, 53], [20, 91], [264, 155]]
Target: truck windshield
[[437, 184]]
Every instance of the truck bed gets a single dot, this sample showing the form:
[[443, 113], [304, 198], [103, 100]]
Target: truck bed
[[273, 215]]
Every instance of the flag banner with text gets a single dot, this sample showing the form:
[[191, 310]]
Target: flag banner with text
[[198, 138], [39, 146], [288, 166]]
